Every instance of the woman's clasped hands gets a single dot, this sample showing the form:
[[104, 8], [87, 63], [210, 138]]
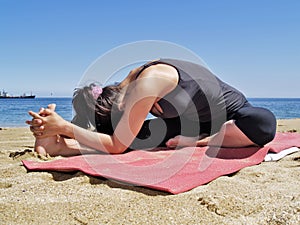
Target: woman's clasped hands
[[46, 122]]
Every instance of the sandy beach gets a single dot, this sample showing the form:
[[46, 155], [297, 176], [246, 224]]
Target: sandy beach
[[267, 193]]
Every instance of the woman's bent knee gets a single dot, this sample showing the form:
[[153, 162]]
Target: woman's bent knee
[[258, 124]]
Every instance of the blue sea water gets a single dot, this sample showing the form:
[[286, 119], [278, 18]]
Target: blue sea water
[[13, 112], [283, 108]]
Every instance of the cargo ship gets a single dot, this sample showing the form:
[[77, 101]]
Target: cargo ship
[[4, 94]]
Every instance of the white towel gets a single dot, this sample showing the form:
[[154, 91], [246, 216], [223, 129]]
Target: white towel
[[276, 156]]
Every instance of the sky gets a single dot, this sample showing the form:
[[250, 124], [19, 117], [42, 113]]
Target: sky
[[46, 46]]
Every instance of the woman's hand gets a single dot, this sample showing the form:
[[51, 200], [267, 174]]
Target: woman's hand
[[46, 122]]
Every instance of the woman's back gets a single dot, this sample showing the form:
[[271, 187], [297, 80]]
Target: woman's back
[[200, 95]]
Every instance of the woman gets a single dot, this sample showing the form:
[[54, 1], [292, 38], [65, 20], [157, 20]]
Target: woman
[[193, 108]]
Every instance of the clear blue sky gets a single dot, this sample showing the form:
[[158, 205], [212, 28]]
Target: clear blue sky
[[45, 46]]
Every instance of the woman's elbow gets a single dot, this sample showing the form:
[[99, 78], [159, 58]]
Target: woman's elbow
[[117, 149]]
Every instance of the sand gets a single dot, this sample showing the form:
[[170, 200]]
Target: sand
[[268, 193]]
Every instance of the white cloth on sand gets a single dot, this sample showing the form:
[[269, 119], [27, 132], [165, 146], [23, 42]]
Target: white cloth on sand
[[277, 156]]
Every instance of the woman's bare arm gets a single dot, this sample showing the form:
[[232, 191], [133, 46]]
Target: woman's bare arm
[[153, 83]]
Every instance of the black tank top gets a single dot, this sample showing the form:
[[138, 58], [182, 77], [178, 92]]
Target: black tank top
[[199, 95]]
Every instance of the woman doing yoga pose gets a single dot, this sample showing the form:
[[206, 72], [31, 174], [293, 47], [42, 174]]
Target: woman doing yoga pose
[[192, 106]]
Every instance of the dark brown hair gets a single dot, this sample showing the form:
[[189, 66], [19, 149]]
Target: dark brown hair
[[103, 113]]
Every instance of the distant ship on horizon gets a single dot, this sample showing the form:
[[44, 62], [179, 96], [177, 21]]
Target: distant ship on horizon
[[4, 94]]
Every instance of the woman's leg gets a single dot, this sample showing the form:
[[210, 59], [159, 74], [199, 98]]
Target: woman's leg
[[228, 136], [258, 124], [155, 132], [250, 126]]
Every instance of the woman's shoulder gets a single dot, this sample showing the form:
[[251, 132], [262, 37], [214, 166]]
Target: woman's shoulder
[[161, 72]]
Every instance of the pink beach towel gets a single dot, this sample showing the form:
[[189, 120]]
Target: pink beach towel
[[173, 171]]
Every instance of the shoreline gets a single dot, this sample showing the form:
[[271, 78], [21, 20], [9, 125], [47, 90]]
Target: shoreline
[[267, 193]]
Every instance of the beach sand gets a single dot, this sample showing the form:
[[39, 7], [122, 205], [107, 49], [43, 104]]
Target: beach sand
[[268, 193]]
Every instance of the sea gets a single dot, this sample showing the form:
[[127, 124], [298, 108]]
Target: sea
[[14, 112]]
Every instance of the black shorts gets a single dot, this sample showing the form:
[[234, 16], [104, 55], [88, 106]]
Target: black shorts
[[258, 124]]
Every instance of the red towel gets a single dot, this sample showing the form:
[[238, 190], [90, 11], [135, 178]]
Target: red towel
[[173, 171]]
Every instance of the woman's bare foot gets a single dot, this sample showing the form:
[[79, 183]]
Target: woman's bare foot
[[49, 145], [184, 141], [58, 145]]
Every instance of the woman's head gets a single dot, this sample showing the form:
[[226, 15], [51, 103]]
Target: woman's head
[[98, 107]]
